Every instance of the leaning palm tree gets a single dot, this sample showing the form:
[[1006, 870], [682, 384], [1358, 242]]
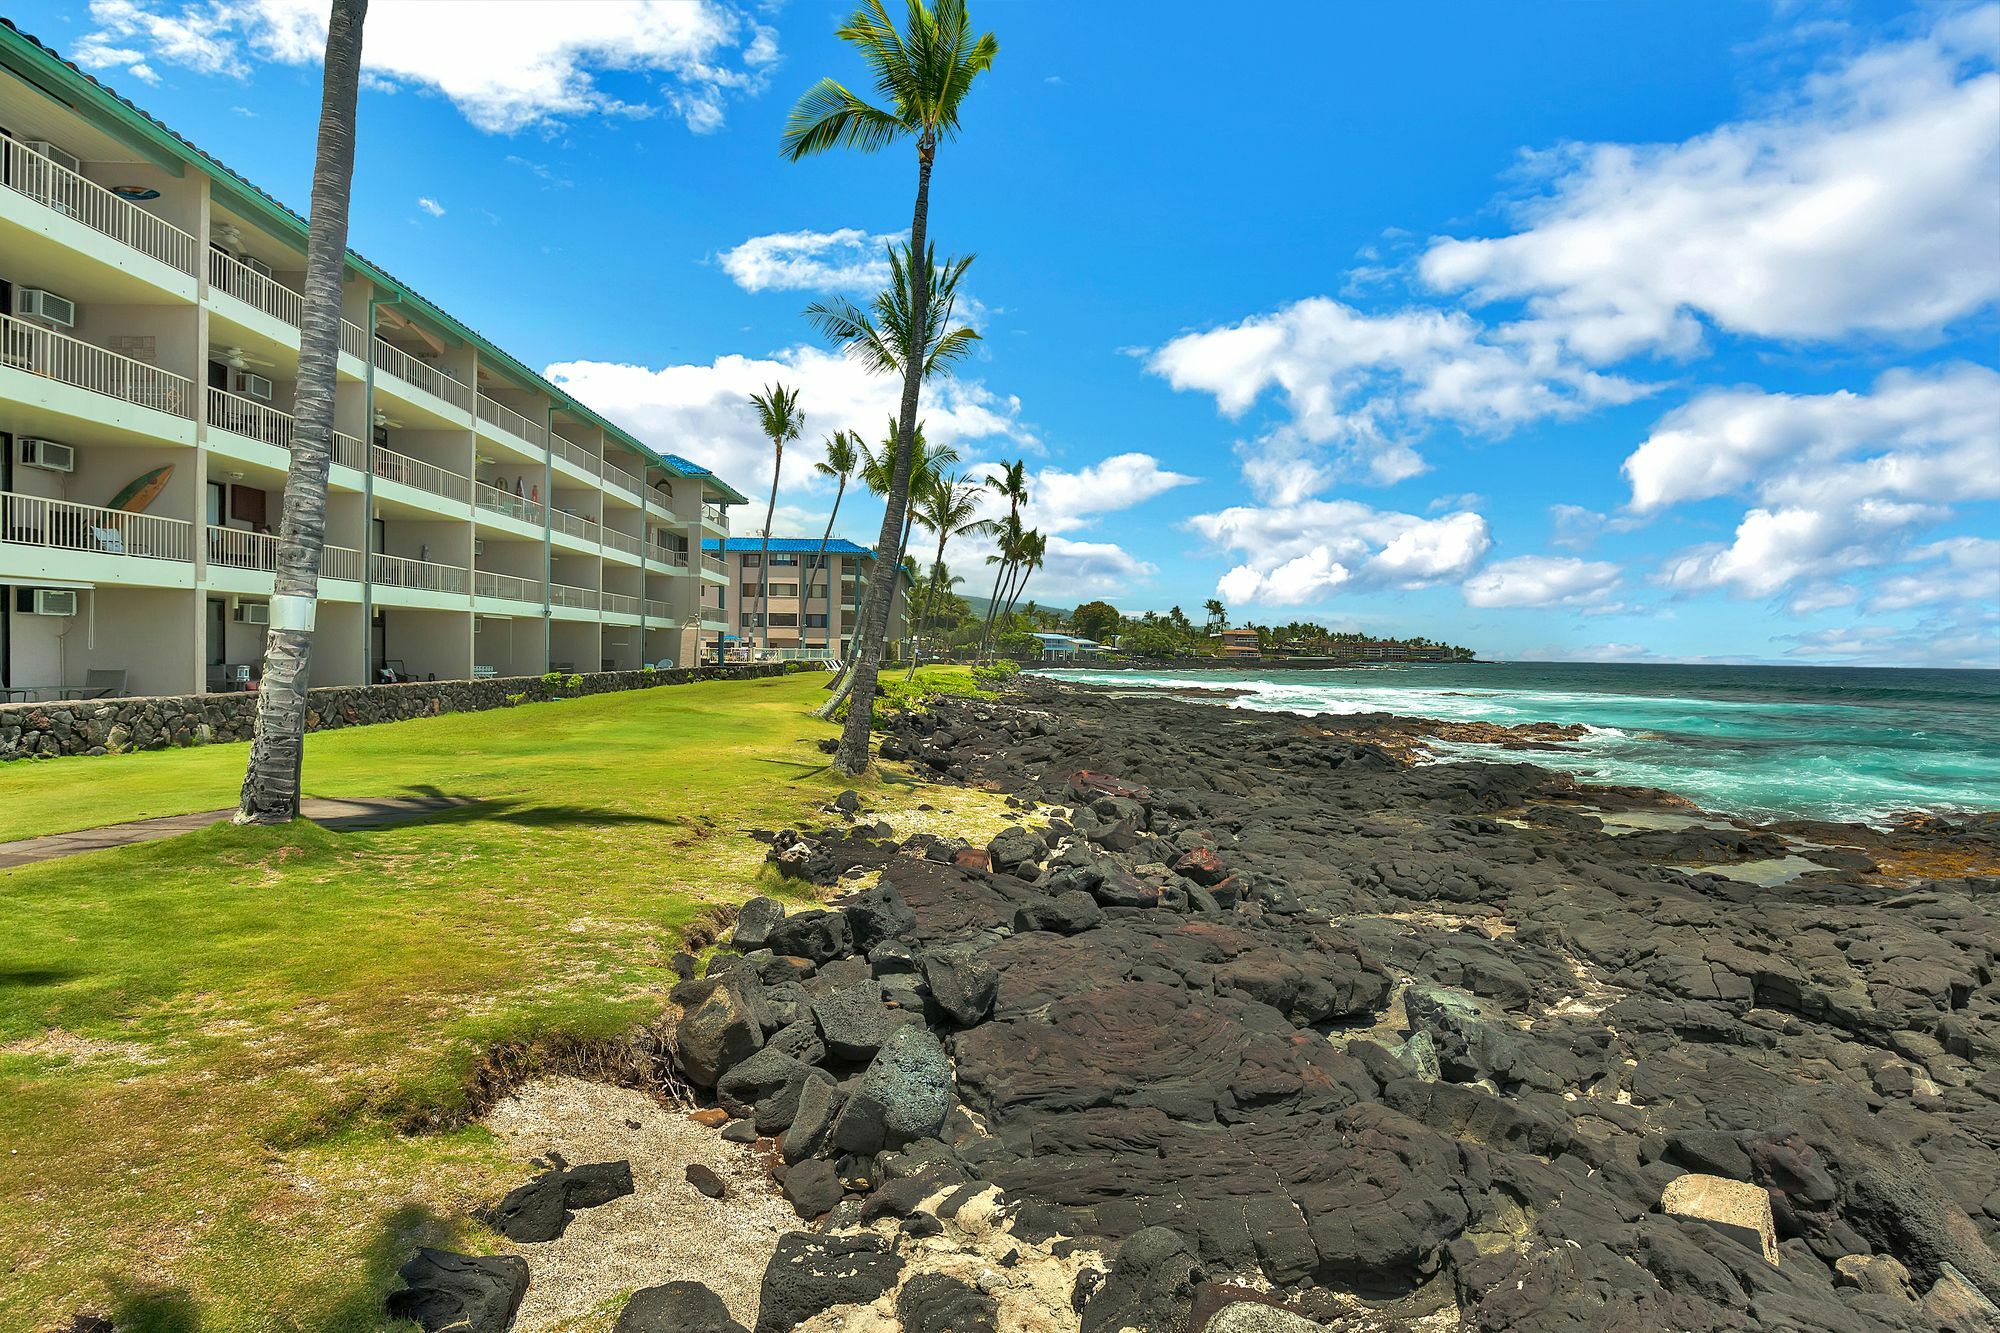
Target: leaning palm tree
[[840, 462], [278, 747], [950, 508], [1033, 547], [1011, 481], [779, 417], [924, 72]]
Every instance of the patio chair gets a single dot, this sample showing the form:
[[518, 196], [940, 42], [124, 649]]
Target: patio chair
[[98, 685], [109, 540]]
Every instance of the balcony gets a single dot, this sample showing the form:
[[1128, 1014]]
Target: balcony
[[55, 539], [655, 609], [618, 604], [669, 556], [31, 353], [231, 551], [715, 516], [620, 478], [255, 290], [506, 420], [419, 475], [395, 571], [562, 594], [576, 456], [252, 420], [506, 587], [620, 542], [58, 190], [401, 365], [496, 501], [565, 524]]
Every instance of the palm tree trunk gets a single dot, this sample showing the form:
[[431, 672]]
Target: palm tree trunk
[[277, 749], [825, 537], [930, 600], [852, 756], [993, 606], [764, 565]]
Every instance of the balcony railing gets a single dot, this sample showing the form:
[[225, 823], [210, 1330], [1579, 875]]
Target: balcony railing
[[495, 500], [395, 571], [32, 520], [619, 541], [248, 418], [618, 604], [656, 609], [254, 289], [392, 466], [507, 419], [713, 562], [562, 594], [563, 521], [395, 361], [57, 187], [353, 340], [349, 452], [83, 365], [714, 514], [619, 477], [577, 454], [670, 557], [340, 562], [507, 587], [242, 550]]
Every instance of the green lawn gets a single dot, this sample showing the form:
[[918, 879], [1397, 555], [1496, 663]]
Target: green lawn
[[207, 1043]]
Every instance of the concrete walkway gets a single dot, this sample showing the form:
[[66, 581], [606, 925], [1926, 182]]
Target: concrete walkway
[[333, 814]]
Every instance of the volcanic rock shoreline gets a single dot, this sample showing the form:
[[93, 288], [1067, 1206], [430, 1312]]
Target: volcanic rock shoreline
[[1248, 1026]]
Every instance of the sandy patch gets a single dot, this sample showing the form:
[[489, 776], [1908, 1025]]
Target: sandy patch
[[664, 1231], [57, 1044]]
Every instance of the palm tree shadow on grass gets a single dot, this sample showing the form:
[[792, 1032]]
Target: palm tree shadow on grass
[[460, 809]]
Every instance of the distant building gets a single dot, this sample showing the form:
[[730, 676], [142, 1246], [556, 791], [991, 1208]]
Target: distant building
[[807, 607], [1068, 647], [1241, 643]]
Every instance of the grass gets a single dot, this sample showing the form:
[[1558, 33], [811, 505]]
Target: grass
[[207, 1043]]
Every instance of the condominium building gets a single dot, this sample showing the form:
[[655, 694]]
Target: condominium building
[[807, 605], [480, 520]]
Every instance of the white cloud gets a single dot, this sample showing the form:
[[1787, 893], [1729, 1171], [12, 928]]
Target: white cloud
[[506, 67], [1074, 570], [430, 206], [1063, 501], [1969, 641], [1294, 553], [1359, 388], [1865, 205], [843, 260], [1957, 569], [1541, 580]]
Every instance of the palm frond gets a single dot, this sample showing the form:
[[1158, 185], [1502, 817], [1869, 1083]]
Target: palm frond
[[829, 116]]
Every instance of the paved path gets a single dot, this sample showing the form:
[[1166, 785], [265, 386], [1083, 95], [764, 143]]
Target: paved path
[[333, 814]]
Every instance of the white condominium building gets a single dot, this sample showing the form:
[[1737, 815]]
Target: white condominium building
[[480, 520]]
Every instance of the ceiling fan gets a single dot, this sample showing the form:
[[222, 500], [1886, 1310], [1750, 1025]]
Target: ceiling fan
[[384, 419], [226, 234], [238, 359]]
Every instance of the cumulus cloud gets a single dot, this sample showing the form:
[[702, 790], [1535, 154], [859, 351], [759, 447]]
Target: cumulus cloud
[[506, 67], [1359, 388], [1842, 479], [1863, 205], [1074, 570], [1541, 580], [843, 260], [1063, 501], [1295, 553]]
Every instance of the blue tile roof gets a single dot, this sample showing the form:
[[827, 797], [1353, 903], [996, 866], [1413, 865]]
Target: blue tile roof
[[788, 545], [687, 465]]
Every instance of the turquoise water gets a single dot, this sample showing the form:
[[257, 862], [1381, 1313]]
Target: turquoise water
[[1848, 743]]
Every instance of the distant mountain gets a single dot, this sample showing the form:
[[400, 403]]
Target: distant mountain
[[978, 605]]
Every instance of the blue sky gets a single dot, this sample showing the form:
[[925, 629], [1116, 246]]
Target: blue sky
[[1589, 331]]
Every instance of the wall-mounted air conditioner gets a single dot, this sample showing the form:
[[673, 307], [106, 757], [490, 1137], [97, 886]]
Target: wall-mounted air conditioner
[[54, 602], [478, 547], [253, 613], [47, 454], [256, 265], [34, 303], [60, 156], [253, 386]]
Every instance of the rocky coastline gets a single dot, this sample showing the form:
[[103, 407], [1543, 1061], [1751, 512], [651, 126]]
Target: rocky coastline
[[1253, 1024]]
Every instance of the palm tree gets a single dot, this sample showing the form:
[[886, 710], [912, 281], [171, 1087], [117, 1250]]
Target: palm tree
[[1033, 547], [950, 508], [1218, 615], [779, 417], [840, 462], [1011, 481], [925, 73], [278, 746]]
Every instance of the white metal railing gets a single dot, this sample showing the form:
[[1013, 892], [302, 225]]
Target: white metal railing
[[619, 541], [349, 451], [617, 476], [248, 418], [253, 288], [392, 466], [340, 562], [64, 191], [72, 361], [353, 340], [508, 587], [658, 610], [618, 603], [564, 521], [670, 557], [749, 653], [714, 562], [575, 453], [507, 419], [33, 520], [497, 501], [714, 514], [562, 594], [395, 571], [395, 361], [242, 550]]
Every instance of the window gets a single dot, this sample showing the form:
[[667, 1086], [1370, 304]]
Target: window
[[816, 620], [749, 592], [781, 559], [784, 589], [784, 620], [753, 559], [752, 620]]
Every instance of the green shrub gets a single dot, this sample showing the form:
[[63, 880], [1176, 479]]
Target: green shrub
[[515, 700], [1020, 645]]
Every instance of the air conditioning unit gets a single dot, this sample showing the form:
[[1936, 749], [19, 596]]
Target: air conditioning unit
[[54, 602], [253, 386], [47, 454], [478, 547], [256, 265], [34, 303], [61, 157], [253, 613]]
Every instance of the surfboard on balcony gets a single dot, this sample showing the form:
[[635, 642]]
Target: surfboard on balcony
[[142, 490]]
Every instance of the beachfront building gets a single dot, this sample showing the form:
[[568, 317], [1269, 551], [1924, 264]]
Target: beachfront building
[[1241, 643], [481, 521], [810, 608], [1069, 647]]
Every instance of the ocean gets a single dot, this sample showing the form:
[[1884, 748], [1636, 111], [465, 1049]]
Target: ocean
[[1841, 743]]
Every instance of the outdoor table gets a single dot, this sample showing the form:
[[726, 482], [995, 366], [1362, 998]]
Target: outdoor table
[[24, 693]]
